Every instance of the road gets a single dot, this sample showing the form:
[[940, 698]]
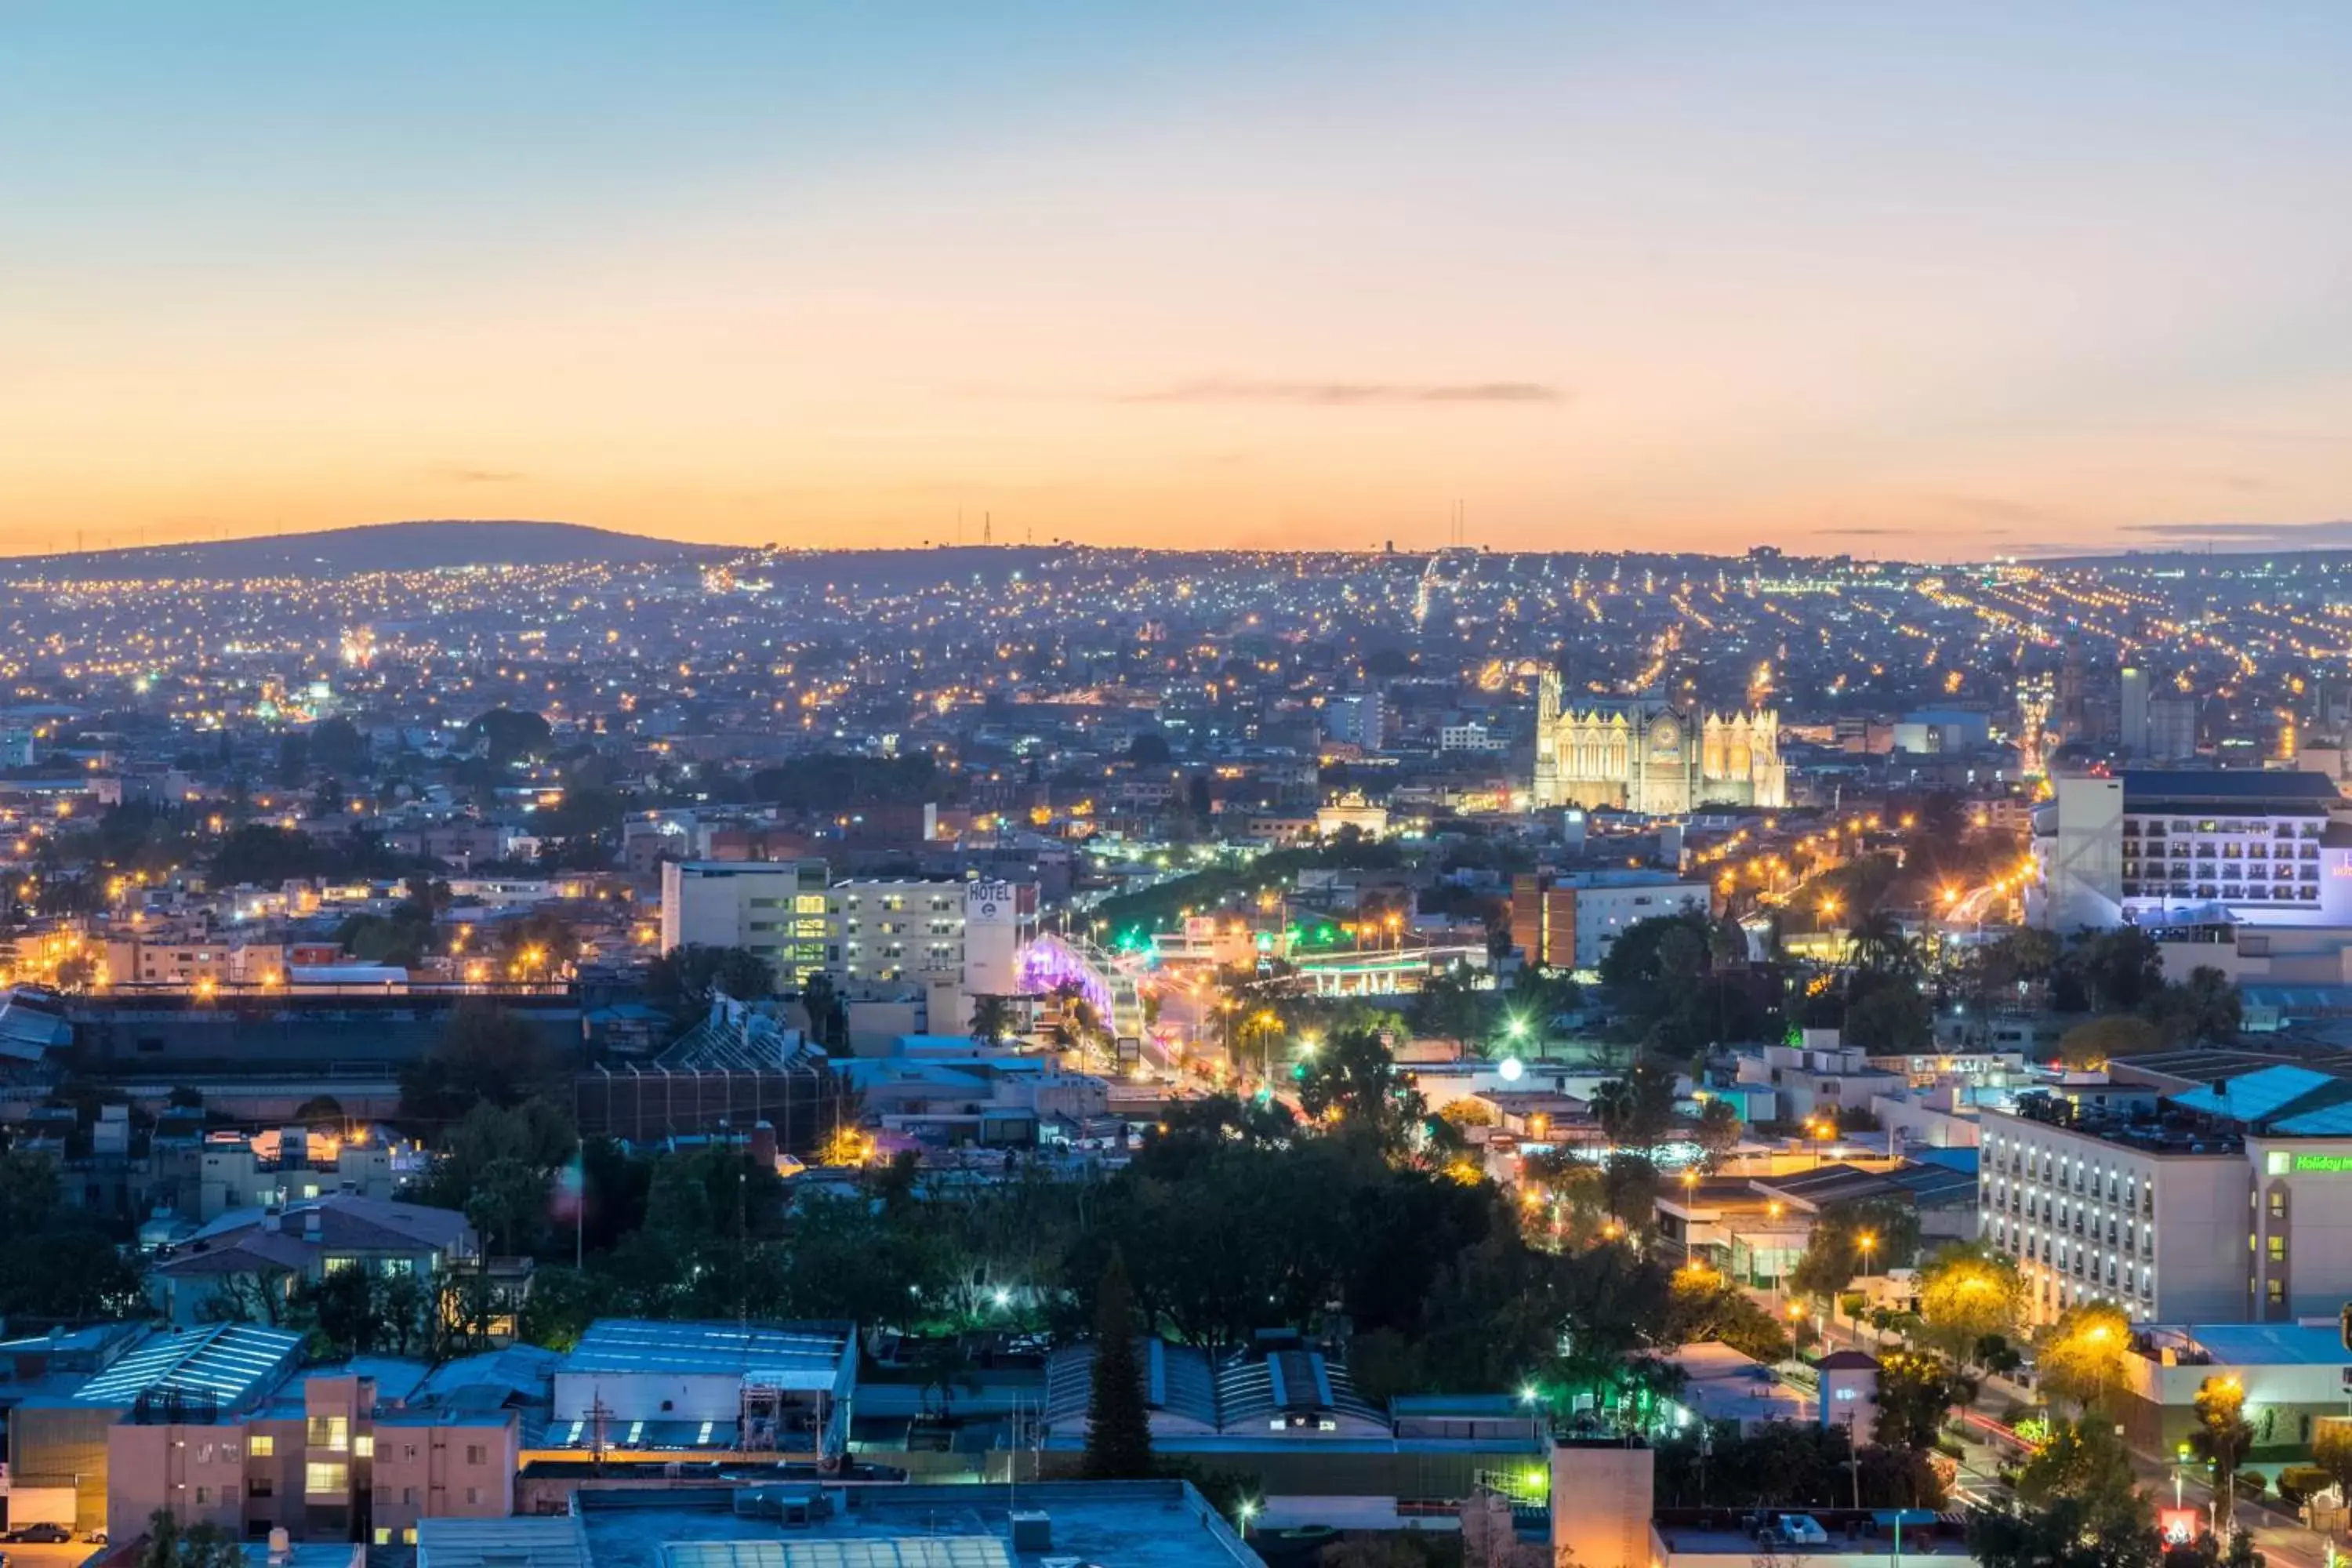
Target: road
[[23, 1555]]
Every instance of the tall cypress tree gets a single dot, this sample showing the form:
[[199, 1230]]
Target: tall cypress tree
[[1118, 1427]]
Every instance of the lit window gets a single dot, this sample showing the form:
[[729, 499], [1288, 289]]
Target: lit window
[[320, 1478]]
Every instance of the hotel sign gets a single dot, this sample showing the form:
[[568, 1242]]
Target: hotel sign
[[2284, 1162]]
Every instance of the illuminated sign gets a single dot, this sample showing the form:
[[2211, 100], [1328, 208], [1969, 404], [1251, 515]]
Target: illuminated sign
[[2325, 1165], [988, 902]]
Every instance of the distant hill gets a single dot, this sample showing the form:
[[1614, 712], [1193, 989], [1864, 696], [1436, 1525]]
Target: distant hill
[[380, 547]]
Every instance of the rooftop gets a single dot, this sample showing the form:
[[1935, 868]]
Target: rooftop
[[228, 1363], [808, 1356], [2239, 790], [1116, 1524]]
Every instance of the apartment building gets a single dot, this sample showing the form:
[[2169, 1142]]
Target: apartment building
[[326, 1457]]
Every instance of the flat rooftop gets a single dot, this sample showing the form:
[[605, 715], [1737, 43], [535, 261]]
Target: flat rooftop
[[788, 1356], [1116, 1524]]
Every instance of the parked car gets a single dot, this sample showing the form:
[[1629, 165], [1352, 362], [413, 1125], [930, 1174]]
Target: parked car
[[39, 1534], [97, 1537]]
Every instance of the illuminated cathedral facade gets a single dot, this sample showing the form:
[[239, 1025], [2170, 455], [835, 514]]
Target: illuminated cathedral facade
[[1652, 757]]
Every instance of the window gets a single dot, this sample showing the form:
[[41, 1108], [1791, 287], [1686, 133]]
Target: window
[[409, 1496], [2278, 1248], [320, 1478], [261, 1485], [408, 1536], [473, 1495], [204, 1497], [476, 1453], [383, 1536], [363, 1445], [330, 1432]]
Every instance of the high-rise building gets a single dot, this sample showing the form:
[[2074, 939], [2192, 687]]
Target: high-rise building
[[2132, 728], [1358, 719], [2171, 728]]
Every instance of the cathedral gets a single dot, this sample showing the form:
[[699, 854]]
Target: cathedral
[[1653, 758]]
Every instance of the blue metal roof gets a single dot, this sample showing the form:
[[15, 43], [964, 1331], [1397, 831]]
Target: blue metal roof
[[2256, 1095]]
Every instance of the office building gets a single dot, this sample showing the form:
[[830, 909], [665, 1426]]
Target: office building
[[776, 908], [2132, 730], [2181, 847], [1358, 719], [2171, 728]]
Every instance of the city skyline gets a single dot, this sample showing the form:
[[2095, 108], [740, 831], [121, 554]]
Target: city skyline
[[1930, 285]]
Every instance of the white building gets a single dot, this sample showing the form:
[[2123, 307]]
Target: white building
[[1470, 738], [1608, 902], [2181, 848], [778, 909], [2226, 1203]]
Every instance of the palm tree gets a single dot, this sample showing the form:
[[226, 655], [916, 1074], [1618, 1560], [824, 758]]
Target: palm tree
[[1876, 943], [992, 1019]]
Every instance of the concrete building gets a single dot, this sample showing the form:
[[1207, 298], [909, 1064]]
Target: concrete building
[[327, 1458], [634, 1391], [2132, 728], [1608, 902], [59, 1434], [2181, 848], [1358, 719], [2223, 1203], [776, 908]]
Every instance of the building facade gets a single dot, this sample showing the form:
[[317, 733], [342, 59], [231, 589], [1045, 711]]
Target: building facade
[[2244, 848], [1654, 757]]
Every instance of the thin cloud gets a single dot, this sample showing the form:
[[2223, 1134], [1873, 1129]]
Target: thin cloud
[[1347, 394], [2284, 533], [466, 474]]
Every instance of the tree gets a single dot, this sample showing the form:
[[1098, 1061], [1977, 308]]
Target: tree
[[1914, 1389], [1353, 1078], [685, 979], [2204, 1009], [1889, 1018], [1969, 1296], [508, 736], [2222, 1437], [1876, 943], [1636, 1110], [483, 1053], [2331, 1450], [337, 745], [1717, 1133], [1847, 1238], [828, 1018], [2081, 1355], [2067, 1532], [1119, 1425], [2100, 1040], [171, 1545], [992, 1019]]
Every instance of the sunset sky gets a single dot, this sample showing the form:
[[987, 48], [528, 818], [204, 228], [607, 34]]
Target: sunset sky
[[1900, 278]]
